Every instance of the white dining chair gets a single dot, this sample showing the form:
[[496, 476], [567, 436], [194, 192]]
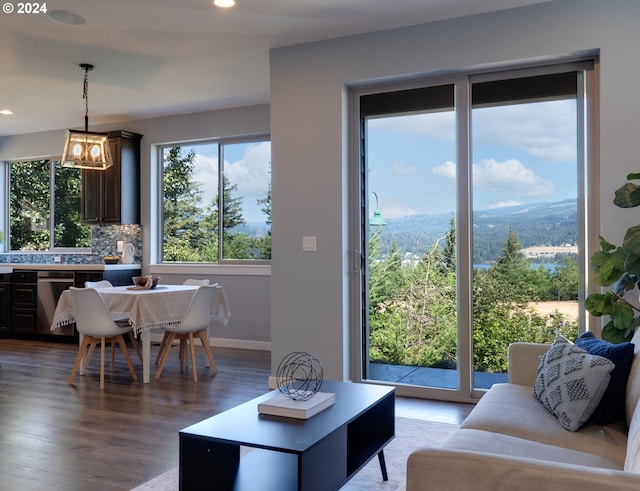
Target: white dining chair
[[98, 284], [119, 318], [96, 326], [163, 343], [194, 324]]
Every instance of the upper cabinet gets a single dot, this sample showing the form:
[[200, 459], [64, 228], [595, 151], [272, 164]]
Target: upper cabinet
[[112, 196]]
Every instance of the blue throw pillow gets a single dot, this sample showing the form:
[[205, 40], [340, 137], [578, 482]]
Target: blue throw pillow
[[612, 405]]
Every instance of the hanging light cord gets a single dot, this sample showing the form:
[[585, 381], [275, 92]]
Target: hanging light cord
[[85, 96], [85, 93]]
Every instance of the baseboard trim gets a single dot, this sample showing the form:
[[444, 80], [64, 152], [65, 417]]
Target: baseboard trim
[[226, 343]]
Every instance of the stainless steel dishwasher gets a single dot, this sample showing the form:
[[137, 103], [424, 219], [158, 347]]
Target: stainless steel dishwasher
[[51, 284]]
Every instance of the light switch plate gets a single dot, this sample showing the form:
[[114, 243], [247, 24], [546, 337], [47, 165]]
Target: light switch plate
[[309, 243]]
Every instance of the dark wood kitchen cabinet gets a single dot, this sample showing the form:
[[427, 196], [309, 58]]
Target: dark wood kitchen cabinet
[[5, 301], [24, 301], [112, 196]]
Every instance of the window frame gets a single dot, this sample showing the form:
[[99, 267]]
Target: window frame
[[221, 143]]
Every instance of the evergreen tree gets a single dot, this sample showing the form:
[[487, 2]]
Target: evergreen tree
[[183, 234]]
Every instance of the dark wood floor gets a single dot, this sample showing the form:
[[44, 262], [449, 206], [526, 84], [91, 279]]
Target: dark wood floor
[[57, 437]]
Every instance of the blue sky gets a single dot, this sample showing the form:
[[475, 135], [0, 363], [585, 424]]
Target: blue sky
[[246, 164], [521, 154]]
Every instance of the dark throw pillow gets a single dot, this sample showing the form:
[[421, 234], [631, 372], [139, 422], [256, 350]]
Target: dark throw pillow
[[612, 405]]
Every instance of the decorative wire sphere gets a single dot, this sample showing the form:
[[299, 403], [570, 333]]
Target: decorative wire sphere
[[299, 376]]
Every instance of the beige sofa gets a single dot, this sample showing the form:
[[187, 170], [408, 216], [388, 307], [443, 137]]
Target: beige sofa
[[511, 442]]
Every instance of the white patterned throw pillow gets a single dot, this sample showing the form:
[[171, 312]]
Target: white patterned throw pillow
[[570, 383]]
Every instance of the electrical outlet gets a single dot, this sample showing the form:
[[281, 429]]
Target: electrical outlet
[[57, 259]]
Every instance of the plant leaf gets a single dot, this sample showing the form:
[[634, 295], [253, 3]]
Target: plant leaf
[[613, 335], [605, 245], [631, 240], [608, 267], [628, 195], [623, 315]]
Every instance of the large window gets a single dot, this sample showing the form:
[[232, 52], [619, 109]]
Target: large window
[[45, 206], [217, 201]]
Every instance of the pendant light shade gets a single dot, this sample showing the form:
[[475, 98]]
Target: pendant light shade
[[86, 150], [83, 149]]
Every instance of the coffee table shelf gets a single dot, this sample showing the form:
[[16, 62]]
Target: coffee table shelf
[[318, 454]]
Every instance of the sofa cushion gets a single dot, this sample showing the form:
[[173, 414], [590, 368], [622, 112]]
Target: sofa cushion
[[632, 395], [611, 407], [632, 460], [512, 409], [496, 443], [570, 383]]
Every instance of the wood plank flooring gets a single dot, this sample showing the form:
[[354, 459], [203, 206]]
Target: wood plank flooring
[[57, 437]]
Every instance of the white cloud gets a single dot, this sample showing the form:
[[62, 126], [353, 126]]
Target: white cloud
[[404, 169], [503, 204], [546, 130], [509, 179], [446, 170], [437, 125], [250, 173]]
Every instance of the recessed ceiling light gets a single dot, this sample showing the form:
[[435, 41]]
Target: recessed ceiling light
[[223, 3], [6, 112], [67, 17]]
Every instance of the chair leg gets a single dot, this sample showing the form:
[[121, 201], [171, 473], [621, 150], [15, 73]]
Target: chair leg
[[127, 358], [113, 357], [136, 345], [207, 349], [102, 349], [193, 357], [92, 347], [163, 359], [163, 345], [76, 365]]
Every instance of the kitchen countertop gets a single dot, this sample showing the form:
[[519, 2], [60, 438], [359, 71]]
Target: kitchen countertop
[[70, 267]]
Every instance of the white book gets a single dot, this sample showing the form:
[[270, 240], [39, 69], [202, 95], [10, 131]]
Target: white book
[[281, 405]]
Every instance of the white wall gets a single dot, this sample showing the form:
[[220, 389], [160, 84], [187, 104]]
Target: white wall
[[309, 115], [248, 292]]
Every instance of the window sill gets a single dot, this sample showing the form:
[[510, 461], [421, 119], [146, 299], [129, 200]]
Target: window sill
[[213, 269]]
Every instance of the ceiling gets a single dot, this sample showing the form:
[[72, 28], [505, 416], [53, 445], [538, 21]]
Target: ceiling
[[161, 57]]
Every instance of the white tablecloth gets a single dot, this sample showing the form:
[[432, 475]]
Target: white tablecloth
[[162, 307]]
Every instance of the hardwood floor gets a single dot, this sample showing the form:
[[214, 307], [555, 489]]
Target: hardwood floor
[[57, 437]]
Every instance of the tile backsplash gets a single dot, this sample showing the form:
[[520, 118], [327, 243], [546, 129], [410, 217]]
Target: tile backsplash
[[104, 239]]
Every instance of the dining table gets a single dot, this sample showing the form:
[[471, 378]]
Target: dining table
[[162, 307]]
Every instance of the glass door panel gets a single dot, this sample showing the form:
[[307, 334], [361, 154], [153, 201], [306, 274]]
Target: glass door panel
[[410, 242], [525, 217]]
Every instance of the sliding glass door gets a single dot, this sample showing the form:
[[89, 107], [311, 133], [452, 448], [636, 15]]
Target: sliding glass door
[[469, 198]]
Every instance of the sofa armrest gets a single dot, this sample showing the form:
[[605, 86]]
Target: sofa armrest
[[439, 468], [524, 359]]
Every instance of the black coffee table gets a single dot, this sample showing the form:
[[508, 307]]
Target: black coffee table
[[318, 454]]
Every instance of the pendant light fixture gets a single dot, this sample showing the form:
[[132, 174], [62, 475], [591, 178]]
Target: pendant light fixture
[[82, 149]]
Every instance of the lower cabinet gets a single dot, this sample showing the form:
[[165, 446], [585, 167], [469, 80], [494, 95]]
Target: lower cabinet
[[24, 301], [19, 308], [5, 301]]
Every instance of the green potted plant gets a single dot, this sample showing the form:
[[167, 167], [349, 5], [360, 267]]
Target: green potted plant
[[618, 267]]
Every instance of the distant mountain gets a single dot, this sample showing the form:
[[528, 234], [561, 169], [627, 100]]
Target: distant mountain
[[538, 224]]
